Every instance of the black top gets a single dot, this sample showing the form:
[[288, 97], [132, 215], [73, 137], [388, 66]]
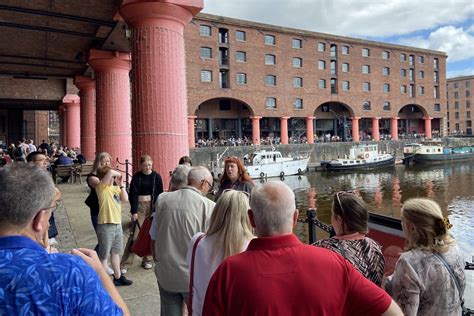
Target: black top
[[144, 184], [92, 200], [237, 185]]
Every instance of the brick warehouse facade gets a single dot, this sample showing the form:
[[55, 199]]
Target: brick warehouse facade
[[459, 95], [242, 75]]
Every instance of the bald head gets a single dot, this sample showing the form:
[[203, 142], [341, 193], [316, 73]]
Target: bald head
[[273, 209]]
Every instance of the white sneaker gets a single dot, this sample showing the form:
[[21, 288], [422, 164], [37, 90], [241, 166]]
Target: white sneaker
[[147, 265], [109, 271], [123, 270]]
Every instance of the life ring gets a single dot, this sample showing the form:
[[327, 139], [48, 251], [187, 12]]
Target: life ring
[[366, 156], [262, 175], [299, 171], [282, 174]]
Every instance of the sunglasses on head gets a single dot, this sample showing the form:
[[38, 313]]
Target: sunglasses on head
[[353, 192]]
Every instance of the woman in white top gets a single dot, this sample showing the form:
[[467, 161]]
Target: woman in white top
[[229, 233], [422, 283]]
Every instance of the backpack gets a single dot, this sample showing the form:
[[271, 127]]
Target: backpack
[[18, 152]]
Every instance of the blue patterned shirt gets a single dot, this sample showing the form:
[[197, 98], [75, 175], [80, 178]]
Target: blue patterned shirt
[[33, 282]]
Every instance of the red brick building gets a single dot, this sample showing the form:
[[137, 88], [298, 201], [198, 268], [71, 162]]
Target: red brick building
[[459, 100], [257, 80]]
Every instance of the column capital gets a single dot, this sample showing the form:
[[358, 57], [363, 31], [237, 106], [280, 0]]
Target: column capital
[[102, 60], [285, 118], [376, 118], [355, 118], [427, 118], [140, 13], [395, 118], [192, 117], [84, 83], [255, 117], [310, 118], [71, 100]]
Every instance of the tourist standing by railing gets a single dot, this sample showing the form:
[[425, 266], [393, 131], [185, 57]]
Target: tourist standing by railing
[[235, 177]]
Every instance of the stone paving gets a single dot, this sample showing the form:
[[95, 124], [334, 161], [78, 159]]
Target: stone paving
[[75, 230]]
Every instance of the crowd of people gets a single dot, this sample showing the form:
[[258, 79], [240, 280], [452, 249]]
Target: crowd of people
[[229, 253]]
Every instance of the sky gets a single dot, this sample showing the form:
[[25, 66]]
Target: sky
[[442, 25]]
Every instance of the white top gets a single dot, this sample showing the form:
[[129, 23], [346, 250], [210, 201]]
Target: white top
[[204, 267]]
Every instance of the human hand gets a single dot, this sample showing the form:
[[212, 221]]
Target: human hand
[[135, 217], [90, 257]]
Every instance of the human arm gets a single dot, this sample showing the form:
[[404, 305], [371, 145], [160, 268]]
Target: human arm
[[92, 180], [393, 310], [153, 236], [133, 195]]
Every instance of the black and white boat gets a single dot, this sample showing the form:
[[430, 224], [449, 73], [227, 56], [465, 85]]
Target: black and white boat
[[361, 157]]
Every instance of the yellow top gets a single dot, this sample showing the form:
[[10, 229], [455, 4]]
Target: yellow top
[[110, 208]]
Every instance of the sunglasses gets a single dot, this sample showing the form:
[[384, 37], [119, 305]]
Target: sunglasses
[[339, 200]]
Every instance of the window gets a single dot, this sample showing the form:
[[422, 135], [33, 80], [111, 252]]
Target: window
[[456, 85], [297, 62], [223, 36], [365, 69], [468, 114], [333, 67], [468, 93], [412, 76], [366, 106], [271, 103], [270, 80], [456, 115], [345, 50], [365, 52], [435, 75], [205, 30], [456, 95], [386, 87], [240, 57], [297, 43], [298, 104], [421, 59], [468, 84], [241, 78], [456, 105], [457, 126], [468, 104], [270, 59], [436, 92], [345, 67], [403, 57], [333, 50], [240, 36], [321, 47], [421, 74], [366, 86], [386, 71], [206, 76], [321, 64], [411, 60], [269, 40], [403, 89], [403, 72], [346, 86], [412, 90], [421, 90], [333, 86], [322, 84], [297, 82], [385, 55], [437, 107], [435, 63], [206, 52], [386, 106]]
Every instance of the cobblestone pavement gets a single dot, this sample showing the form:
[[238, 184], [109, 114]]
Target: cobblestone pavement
[[75, 230]]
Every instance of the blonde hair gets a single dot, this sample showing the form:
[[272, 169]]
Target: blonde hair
[[430, 230], [230, 223], [98, 159]]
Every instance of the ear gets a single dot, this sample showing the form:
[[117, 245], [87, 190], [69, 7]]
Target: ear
[[252, 220], [295, 217], [41, 221]]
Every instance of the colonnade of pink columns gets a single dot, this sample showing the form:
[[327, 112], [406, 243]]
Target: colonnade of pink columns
[[86, 87], [159, 113], [284, 130], [355, 128], [62, 126], [394, 128], [113, 128], [375, 128], [309, 129], [72, 120], [427, 127], [191, 122], [256, 130]]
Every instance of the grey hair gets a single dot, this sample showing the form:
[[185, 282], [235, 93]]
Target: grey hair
[[179, 177], [273, 206], [198, 174], [24, 190]]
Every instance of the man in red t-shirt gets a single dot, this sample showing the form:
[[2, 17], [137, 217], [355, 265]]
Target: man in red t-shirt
[[278, 275]]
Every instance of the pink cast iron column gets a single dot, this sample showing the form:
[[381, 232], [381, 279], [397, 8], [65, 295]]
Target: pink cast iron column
[[62, 123], [309, 129], [284, 130], [86, 87], [256, 130], [375, 129], [191, 121], [394, 127], [355, 128], [113, 127], [427, 127], [159, 112], [72, 105]]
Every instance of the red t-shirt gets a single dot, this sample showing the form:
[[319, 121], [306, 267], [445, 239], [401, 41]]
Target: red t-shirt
[[282, 276]]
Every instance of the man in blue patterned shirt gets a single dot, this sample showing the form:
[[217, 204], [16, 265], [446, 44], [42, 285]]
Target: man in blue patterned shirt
[[33, 282]]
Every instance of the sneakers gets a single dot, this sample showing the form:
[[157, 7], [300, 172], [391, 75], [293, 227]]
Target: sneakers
[[109, 271], [122, 281], [124, 270], [147, 265]]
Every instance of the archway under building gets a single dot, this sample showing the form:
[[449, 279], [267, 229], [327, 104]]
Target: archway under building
[[333, 120], [413, 119]]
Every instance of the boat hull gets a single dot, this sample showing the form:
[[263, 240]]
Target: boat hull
[[278, 169], [331, 166], [438, 158]]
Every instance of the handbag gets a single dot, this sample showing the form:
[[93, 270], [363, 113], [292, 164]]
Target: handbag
[[465, 311], [130, 242], [191, 279], [142, 245]]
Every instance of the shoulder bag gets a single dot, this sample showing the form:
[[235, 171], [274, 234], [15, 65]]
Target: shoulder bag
[[191, 280]]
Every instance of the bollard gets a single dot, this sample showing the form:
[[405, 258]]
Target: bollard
[[311, 214]]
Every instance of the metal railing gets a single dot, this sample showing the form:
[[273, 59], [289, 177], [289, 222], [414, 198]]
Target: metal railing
[[128, 167]]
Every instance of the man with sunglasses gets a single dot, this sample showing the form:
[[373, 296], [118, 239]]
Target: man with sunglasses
[[33, 282], [278, 275]]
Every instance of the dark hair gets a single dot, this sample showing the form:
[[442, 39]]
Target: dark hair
[[185, 159], [243, 175], [102, 171], [353, 211], [32, 156]]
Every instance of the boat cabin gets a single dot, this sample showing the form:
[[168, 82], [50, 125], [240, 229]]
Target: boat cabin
[[263, 157]]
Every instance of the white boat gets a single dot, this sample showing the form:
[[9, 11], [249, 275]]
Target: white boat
[[266, 164], [360, 157]]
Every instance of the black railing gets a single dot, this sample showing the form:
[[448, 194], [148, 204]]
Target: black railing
[[128, 176]]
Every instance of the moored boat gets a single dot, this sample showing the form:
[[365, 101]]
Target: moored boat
[[361, 157], [263, 163], [435, 152]]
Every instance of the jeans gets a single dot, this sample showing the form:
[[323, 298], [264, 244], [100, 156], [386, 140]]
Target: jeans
[[172, 302]]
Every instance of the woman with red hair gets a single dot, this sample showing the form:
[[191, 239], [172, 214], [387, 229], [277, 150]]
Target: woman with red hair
[[235, 177]]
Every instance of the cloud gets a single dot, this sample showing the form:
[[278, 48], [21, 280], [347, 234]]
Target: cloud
[[461, 72], [470, 29], [367, 18], [456, 42]]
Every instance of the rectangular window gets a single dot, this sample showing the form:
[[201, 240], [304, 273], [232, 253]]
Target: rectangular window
[[468, 104], [456, 85], [241, 57], [269, 40], [386, 71], [365, 52], [366, 106], [322, 84], [270, 59], [385, 55], [206, 76], [345, 50], [333, 86], [468, 93], [321, 64], [271, 103], [386, 106], [297, 43], [297, 62], [412, 90], [321, 47], [333, 50], [403, 57], [468, 84], [411, 60], [298, 104], [456, 95], [437, 107], [421, 90], [240, 36], [456, 115], [456, 105], [206, 52], [365, 69], [468, 114], [436, 92], [333, 67], [241, 78], [421, 59], [435, 75], [205, 30], [386, 87], [435, 63], [403, 89], [346, 86], [345, 67], [403, 72], [366, 86], [297, 82], [421, 74], [412, 75], [270, 80]]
